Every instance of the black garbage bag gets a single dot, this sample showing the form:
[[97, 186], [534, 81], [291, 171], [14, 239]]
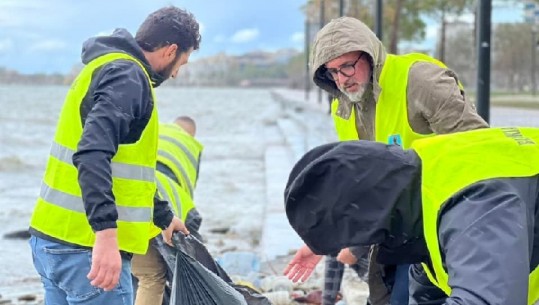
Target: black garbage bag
[[198, 279], [193, 247], [195, 284]]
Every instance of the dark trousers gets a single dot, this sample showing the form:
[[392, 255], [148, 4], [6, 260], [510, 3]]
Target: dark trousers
[[399, 291]]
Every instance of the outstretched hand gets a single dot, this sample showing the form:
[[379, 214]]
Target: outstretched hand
[[302, 265]]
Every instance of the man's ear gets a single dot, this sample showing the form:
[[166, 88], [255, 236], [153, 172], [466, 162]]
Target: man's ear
[[170, 51]]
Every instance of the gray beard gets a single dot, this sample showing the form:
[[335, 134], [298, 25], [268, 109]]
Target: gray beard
[[355, 97]]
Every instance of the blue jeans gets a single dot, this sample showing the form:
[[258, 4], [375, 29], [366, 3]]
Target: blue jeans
[[399, 292], [63, 271]]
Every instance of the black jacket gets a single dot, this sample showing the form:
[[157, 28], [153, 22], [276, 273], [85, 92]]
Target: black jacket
[[115, 111], [363, 193], [345, 194]]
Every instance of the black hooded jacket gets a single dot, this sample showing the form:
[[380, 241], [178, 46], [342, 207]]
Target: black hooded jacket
[[361, 193], [372, 193], [114, 111]]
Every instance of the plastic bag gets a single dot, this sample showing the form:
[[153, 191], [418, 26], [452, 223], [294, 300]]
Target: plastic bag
[[194, 284], [198, 279]]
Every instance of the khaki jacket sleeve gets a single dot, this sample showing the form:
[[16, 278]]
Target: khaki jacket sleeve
[[435, 102]]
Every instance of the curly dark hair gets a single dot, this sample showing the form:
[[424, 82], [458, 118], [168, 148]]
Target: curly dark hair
[[166, 26]]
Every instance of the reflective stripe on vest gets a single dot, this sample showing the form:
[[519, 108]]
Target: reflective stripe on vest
[[177, 164], [391, 118], [60, 211], [186, 151], [180, 152], [168, 191], [119, 170], [75, 204], [513, 152], [179, 200]]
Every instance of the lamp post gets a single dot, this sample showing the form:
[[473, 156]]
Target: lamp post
[[533, 50], [322, 23], [311, 27], [483, 59], [531, 13], [379, 9]]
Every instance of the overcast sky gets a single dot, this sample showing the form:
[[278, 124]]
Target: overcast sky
[[45, 36]]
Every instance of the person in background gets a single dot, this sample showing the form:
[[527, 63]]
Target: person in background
[[177, 169], [386, 98], [465, 205], [334, 273], [179, 152], [98, 193]]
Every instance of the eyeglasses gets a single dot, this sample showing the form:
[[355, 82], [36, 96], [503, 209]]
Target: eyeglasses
[[347, 70]]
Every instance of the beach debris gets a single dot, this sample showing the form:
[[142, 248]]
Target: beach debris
[[19, 234], [276, 283], [314, 297], [222, 230], [27, 298], [240, 263], [278, 297]]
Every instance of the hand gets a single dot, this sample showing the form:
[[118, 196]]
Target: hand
[[175, 225], [302, 265], [106, 260], [346, 257]]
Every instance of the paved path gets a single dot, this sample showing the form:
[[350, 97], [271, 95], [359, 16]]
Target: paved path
[[302, 126]]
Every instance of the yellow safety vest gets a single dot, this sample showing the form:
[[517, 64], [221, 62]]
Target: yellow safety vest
[[60, 212], [391, 120], [179, 200], [512, 152], [180, 152]]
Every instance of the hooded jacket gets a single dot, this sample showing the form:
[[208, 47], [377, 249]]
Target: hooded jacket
[[114, 111], [362, 193], [372, 190], [435, 102]]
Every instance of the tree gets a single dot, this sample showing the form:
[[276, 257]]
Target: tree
[[512, 45], [404, 22], [401, 18], [441, 10], [461, 57]]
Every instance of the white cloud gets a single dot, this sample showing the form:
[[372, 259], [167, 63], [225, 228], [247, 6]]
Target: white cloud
[[48, 45], [201, 28], [6, 44], [219, 39], [298, 37], [13, 7], [245, 35], [28, 13], [431, 31]]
